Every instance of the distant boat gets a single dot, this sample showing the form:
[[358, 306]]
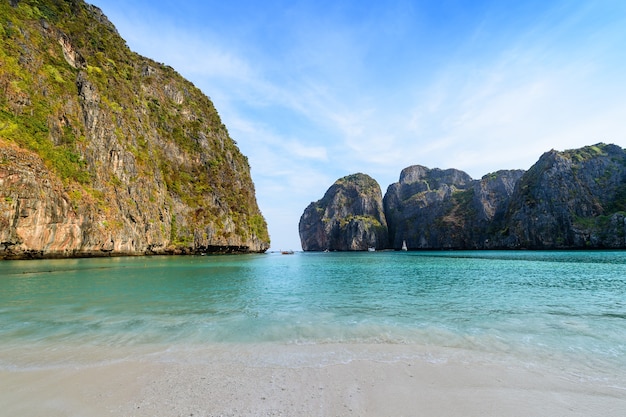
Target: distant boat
[[287, 252], [404, 248], [371, 249]]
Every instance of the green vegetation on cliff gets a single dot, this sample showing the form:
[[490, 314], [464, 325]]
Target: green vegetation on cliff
[[36, 84], [136, 146]]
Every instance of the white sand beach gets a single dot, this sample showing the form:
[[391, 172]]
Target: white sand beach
[[305, 380]]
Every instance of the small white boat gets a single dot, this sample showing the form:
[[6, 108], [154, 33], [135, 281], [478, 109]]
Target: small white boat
[[371, 249], [404, 248]]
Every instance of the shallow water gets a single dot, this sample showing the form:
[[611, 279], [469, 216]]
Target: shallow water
[[567, 309]]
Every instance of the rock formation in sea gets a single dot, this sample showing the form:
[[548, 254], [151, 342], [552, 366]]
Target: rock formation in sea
[[349, 217], [567, 200], [434, 208], [570, 199], [103, 151]]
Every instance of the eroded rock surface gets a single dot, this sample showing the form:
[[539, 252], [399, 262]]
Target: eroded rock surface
[[108, 152], [350, 216]]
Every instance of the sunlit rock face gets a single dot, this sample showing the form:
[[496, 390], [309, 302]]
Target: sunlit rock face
[[106, 152]]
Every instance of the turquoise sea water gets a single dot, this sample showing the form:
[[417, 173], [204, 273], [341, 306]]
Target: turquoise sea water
[[566, 308]]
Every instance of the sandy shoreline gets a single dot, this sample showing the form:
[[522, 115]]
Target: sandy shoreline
[[309, 380]]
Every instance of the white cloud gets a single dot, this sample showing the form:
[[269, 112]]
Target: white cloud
[[307, 152]]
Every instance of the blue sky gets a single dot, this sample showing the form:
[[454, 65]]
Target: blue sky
[[316, 90]]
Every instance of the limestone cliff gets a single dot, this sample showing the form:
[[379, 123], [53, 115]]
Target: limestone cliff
[[568, 200], [349, 217], [103, 151], [433, 208]]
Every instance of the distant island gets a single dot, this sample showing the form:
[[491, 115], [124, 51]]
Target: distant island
[[105, 152], [575, 199]]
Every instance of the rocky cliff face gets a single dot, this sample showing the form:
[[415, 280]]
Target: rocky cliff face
[[349, 217], [570, 199], [421, 198], [490, 201], [433, 208], [107, 152]]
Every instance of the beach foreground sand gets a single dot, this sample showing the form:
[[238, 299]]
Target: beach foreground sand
[[304, 380]]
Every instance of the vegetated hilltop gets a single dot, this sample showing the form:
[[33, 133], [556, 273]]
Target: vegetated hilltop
[[567, 200], [103, 151]]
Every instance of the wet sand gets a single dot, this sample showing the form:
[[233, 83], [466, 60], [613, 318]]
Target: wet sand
[[309, 380]]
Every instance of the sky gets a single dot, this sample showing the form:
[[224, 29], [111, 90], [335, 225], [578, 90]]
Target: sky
[[312, 91]]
